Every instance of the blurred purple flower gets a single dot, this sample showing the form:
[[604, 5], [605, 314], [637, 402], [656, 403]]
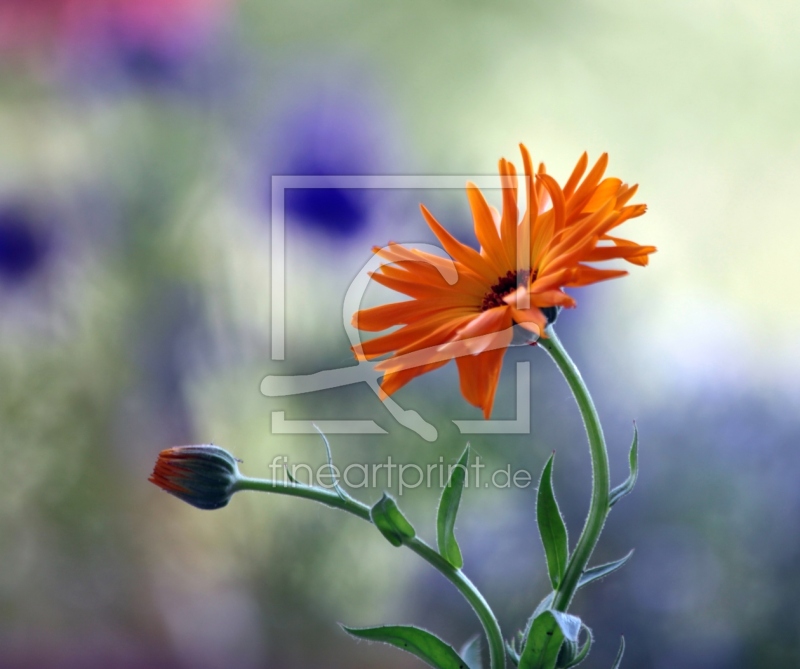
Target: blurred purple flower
[[328, 138], [150, 41], [24, 246]]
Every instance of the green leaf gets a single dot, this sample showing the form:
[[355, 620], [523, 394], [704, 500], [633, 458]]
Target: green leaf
[[512, 653], [448, 509], [514, 646], [601, 571], [570, 625], [290, 477], [543, 643], [545, 604], [584, 650], [618, 659], [339, 490], [414, 640], [391, 522], [471, 653], [551, 526], [625, 487]]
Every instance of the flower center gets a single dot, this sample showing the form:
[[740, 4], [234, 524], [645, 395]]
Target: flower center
[[505, 285]]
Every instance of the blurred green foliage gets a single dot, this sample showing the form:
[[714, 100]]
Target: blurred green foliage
[[147, 324]]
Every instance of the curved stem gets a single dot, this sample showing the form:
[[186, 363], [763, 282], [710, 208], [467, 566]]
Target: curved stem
[[491, 627], [321, 495], [598, 509], [346, 503]]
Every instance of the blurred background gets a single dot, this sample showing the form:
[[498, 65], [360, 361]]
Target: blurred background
[[138, 140]]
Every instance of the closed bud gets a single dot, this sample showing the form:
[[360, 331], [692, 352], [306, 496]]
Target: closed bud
[[203, 476], [391, 522]]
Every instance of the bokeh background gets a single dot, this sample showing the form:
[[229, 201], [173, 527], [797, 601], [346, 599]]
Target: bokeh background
[[138, 139]]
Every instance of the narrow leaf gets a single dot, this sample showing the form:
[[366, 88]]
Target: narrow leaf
[[551, 526], [618, 659], [339, 490], [543, 643], [584, 650], [545, 604], [571, 629], [414, 640], [471, 653], [600, 571], [570, 625], [448, 509], [626, 486], [512, 653], [290, 477], [391, 522]]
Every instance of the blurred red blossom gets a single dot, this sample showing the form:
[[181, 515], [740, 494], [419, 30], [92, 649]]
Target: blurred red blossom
[[32, 24]]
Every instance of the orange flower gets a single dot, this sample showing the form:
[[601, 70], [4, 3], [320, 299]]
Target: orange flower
[[517, 278]]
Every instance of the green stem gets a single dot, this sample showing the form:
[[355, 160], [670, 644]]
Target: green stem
[[323, 496], [346, 503], [598, 509], [473, 596]]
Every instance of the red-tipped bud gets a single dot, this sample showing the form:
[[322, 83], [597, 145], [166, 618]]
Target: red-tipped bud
[[203, 476]]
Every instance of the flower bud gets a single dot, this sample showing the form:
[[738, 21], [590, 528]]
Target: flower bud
[[203, 476], [391, 522]]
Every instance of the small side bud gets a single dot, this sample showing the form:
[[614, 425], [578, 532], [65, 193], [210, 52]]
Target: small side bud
[[391, 522], [203, 476]]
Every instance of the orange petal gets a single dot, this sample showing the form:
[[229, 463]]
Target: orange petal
[[542, 237], [479, 375], [408, 335], [532, 320], [586, 189], [609, 252], [626, 213], [463, 254], [410, 285], [552, 298], [542, 197], [486, 231], [521, 299], [532, 204], [393, 381], [464, 279], [428, 263], [420, 287], [641, 261], [528, 222], [607, 189], [587, 275], [491, 329], [386, 316], [430, 347], [551, 279], [569, 259], [577, 234], [626, 193], [575, 177], [557, 196], [510, 218]]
